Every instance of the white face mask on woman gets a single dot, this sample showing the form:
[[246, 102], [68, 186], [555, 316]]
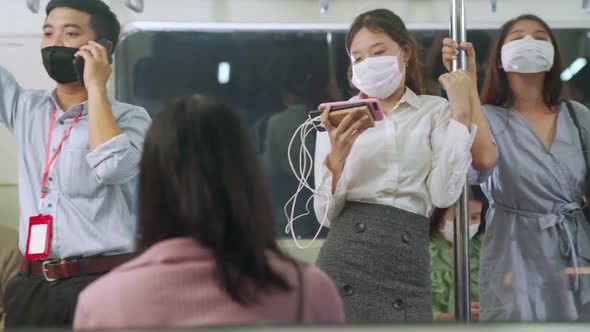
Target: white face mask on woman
[[377, 77], [527, 55], [448, 231]]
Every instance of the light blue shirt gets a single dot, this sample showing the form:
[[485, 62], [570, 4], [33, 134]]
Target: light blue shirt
[[90, 192]]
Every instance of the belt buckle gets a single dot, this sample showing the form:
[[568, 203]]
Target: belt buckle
[[44, 270]]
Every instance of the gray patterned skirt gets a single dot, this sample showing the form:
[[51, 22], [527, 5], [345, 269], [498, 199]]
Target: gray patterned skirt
[[378, 257]]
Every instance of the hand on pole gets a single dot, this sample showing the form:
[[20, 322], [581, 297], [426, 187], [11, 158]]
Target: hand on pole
[[450, 52]]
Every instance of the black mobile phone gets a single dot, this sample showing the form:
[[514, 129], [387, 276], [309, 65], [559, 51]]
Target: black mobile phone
[[79, 61]]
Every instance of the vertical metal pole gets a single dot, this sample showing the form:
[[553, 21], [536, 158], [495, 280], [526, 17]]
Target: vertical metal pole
[[461, 244]]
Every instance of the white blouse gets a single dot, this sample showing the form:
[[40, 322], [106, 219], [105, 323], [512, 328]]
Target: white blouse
[[416, 158]]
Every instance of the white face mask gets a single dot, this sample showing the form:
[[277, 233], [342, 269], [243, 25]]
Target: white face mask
[[377, 77], [448, 231], [527, 55]]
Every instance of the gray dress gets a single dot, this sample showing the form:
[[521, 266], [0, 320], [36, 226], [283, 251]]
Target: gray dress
[[537, 237]]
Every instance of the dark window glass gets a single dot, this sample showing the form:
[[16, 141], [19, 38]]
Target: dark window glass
[[272, 78]]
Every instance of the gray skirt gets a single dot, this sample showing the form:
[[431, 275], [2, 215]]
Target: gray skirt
[[378, 257]]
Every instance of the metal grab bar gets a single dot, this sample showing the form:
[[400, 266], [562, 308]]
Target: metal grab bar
[[461, 243]]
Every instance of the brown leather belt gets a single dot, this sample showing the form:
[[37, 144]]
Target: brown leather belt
[[53, 270]]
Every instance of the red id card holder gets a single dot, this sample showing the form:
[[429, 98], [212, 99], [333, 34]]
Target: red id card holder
[[39, 238]]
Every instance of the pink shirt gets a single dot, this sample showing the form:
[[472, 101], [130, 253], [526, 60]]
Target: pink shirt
[[171, 285]]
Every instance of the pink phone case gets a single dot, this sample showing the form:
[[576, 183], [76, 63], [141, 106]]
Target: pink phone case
[[374, 106]]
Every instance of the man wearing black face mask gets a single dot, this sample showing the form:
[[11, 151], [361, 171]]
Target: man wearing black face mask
[[78, 157]]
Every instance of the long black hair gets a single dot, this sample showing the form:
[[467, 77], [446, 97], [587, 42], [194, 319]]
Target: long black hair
[[200, 178]]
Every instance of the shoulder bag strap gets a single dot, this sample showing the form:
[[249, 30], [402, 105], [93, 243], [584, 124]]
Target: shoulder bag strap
[[574, 117]]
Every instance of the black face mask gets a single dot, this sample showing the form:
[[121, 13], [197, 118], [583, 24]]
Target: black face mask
[[59, 63]]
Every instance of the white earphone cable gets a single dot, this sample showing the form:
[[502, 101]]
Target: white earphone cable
[[304, 171]]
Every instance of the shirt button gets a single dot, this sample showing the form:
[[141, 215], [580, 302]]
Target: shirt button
[[61, 122], [398, 304], [50, 179], [406, 238], [347, 290], [359, 227], [49, 205]]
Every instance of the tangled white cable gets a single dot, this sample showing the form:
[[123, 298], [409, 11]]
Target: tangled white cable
[[302, 174]]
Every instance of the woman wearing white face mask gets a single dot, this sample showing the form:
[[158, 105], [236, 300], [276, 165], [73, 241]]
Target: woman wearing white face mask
[[441, 256], [536, 253], [384, 182]]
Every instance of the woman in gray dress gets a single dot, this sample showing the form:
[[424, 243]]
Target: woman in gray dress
[[376, 188], [536, 249]]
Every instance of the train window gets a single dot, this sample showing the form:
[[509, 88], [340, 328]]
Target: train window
[[272, 77]]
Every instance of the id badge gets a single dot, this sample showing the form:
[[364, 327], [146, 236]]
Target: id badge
[[39, 238]]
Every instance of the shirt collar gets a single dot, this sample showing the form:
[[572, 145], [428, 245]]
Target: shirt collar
[[73, 110], [411, 98], [408, 97]]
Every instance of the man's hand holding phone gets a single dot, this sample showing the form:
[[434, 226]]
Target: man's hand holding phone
[[94, 60]]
